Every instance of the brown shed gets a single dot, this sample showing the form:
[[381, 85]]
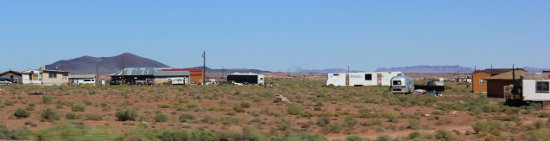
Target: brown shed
[[479, 78], [495, 84]]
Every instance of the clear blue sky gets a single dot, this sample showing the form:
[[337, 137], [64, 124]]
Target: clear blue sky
[[279, 35]]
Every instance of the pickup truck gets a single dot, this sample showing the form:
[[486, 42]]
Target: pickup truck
[[5, 82], [437, 86]]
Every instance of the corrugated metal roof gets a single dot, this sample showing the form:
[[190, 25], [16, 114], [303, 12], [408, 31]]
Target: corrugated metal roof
[[135, 71], [171, 73], [149, 72], [82, 76]]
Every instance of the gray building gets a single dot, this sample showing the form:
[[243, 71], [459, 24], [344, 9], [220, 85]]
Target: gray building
[[11, 75]]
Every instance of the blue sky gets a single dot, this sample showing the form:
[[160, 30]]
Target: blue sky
[[279, 35]]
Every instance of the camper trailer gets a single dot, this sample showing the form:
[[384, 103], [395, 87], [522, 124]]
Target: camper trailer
[[535, 87], [246, 78], [401, 85], [361, 79]]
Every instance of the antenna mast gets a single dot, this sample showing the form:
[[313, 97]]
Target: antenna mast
[[203, 67]]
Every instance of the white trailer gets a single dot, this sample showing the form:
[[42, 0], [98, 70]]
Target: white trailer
[[535, 87], [246, 78], [82, 79], [361, 79]]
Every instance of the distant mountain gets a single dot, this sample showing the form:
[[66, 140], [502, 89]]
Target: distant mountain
[[428, 69], [323, 71], [87, 64], [535, 70]]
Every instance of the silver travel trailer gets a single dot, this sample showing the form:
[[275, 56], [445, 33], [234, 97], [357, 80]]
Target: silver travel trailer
[[401, 85]]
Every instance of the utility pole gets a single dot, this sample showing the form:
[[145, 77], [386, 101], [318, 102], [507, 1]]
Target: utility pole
[[514, 72], [96, 72], [203, 67], [122, 68]]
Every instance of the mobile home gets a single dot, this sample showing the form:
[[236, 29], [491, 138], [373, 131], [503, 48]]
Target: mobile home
[[401, 84], [535, 87], [249, 78], [82, 79], [45, 77], [361, 79]]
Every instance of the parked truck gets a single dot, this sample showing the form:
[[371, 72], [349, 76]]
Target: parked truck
[[433, 85]]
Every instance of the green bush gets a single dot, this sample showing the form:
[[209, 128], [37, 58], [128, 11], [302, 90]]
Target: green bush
[[238, 109], [72, 116], [354, 138], [332, 128], [283, 124], [350, 122], [373, 122], [302, 136], [9, 103], [209, 119], [446, 135], [49, 115], [47, 99], [231, 120], [185, 135], [19, 133], [126, 115], [488, 127], [383, 138], [160, 117], [245, 105], [21, 113], [87, 102], [414, 135], [323, 121], [537, 135], [414, 124], [78, 107], [93, 117], [390, 117], [186, 117], [242, 134], [294, 109], [139, 134]]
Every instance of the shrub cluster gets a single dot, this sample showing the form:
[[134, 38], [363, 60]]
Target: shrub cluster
[[126, 115]]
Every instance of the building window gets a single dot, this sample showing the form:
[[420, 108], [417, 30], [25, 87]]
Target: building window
[[52, 75], [542, 87], [397, 82], [335, 74], [481, 81], [368, 76]]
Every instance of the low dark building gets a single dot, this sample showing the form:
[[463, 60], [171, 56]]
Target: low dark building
[[150, 76], [11, 75], [248, 78], [496, 84]]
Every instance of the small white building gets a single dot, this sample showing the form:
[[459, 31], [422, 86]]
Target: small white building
[[32, 77], [361, 79], [82, 79], [535, 87]]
